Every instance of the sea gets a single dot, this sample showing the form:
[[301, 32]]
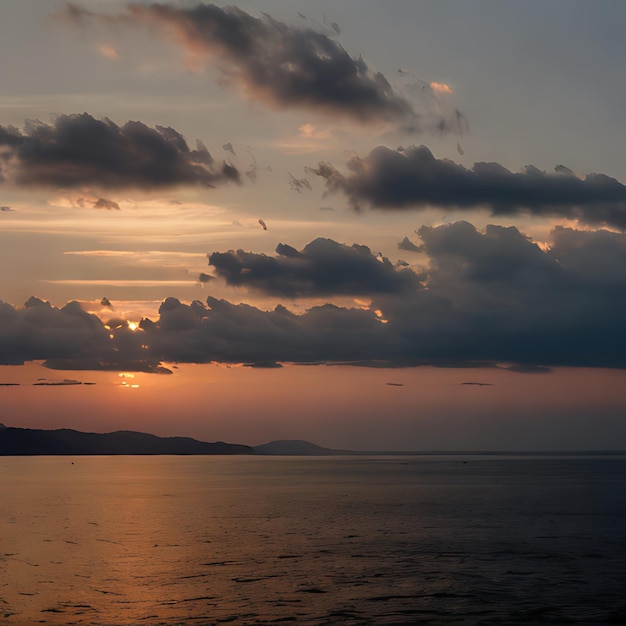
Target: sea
[[415, 539]]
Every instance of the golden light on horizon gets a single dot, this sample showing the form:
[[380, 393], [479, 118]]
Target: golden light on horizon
[[124, 384]]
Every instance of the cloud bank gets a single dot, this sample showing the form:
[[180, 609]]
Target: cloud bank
[[486, 297], [413, 179], [280, 65], [77, 151]]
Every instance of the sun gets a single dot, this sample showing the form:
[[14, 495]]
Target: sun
[[133, 326]]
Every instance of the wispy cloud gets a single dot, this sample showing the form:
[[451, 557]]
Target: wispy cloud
[[281, 65], [118, 282]]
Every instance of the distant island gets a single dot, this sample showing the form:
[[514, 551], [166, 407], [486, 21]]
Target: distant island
[[297, 447]]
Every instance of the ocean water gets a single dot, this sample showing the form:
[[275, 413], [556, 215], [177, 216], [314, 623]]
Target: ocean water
[[328, 540]]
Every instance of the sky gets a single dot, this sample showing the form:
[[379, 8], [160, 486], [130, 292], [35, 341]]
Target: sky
[[370, 229]]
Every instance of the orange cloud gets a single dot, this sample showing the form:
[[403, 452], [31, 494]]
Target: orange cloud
[[441, 88], [108, 51], [309, 131]]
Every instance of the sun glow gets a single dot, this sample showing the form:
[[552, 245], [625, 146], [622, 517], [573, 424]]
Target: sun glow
[[124, 384]]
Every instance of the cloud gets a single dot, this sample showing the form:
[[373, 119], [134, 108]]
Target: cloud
[[224, 332], [108, 51], [281, 65], [486, 298], [41, 331], [407, 245], [308, 131], [441, 88], [322, 268], [495, 296], [298, 184], [103, 203], [204, 278], [413, 179], [67, 338], [77, 151]]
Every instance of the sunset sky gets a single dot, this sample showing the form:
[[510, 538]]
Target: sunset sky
[[242, 223]]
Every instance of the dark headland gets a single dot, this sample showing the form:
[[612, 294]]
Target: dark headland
[[64, 441], [31, 442]]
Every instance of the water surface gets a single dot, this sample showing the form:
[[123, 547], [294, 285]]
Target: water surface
[[329, 540]]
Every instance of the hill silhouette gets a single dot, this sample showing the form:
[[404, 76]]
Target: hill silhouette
[[296, 447], [28, 442]]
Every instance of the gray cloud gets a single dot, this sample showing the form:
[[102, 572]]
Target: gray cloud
[[41, 331], [281, 65], [298, 184], [205, 278], [68, 338], [414, 179], [487, 298], [103, 203], [78, 151], [323, 267], [407, 245], [221, 331], [495, 296]]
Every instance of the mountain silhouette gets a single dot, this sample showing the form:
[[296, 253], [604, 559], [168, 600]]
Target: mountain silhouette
[[27, 441]]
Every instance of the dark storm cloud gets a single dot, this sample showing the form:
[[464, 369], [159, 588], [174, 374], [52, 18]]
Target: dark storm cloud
[[413, 178], [323, 267], [495, 296], [487, 298], [224, 332], [78, 151], [284, 66], [41, 331]]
